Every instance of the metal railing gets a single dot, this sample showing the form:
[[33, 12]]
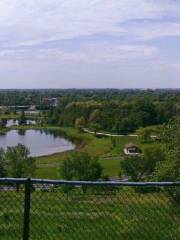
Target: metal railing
[[35, 209]]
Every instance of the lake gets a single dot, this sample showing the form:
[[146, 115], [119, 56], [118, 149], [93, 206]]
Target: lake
[[39, 142]]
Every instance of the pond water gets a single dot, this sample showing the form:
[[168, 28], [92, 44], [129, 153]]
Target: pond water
[[39, 142]]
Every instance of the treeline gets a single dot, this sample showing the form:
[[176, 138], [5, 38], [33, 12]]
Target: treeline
[[111, 110], [38, 98], [114, 113]]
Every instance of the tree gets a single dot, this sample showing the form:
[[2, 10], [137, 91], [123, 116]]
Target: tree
[[54, 116], [79, 123], [94, 120], [66, 170], [133, 167], [95, 127], [169, 169], [22, 119], [143, 166], [18, 163], [95, 116], [81, 166], [3, 123], [153, 156], [144, 134]]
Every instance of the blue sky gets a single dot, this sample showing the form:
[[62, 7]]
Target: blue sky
[[86, 44]]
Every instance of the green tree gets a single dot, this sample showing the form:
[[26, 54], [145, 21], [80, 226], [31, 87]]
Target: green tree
[[3, 123], [144, 134], [169, 169], [18, 163], [81, 166], [66, 169], [133, 167], [94, 120], [95, 127], [143, 166], [95, 116], [152, 157], [22, 119], [79, 123]]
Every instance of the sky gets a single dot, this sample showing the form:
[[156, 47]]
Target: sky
[[90, 44]]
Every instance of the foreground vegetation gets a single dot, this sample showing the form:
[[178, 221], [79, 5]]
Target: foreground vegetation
[[100, 213]]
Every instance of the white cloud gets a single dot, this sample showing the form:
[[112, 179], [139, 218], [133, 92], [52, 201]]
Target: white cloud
[[33, 22], [174, 66], [92, 53], [106, 36], [148, 31]]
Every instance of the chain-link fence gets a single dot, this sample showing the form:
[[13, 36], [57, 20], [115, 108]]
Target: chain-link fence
[[54, 210]]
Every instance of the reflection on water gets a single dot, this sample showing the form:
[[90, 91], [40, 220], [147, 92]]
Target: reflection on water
[[39, 142], [13, 122]]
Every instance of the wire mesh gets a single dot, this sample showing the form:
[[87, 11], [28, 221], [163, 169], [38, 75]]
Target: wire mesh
[[104, 212], [60, 210], [11, 211]]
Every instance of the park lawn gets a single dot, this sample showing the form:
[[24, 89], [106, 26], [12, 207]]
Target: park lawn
[[111, 166], [17, 116], [109, 155], [47, 172], [9, 116], [102, 147], [47, 166]]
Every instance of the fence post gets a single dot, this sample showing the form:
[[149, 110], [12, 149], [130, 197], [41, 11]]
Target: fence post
[[27, 205]]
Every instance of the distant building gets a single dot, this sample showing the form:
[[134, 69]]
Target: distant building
[[32, 108], [50, 101], [132, 149]]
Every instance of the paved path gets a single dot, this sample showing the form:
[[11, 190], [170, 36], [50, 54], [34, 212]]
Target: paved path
[[109, 134], [112, 135]]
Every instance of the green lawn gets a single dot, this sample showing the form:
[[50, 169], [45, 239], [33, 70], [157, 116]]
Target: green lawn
[[9, 116], [109, 156], [47, 166], [16, 116]]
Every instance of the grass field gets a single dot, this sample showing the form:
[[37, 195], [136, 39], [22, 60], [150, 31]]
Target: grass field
[[109, 155], [100, 213], [17, 115], [9, 116]]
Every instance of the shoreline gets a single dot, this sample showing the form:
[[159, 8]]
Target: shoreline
[[76, 141]]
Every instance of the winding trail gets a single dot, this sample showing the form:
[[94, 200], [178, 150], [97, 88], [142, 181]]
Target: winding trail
[[112, 135], [109, 134]]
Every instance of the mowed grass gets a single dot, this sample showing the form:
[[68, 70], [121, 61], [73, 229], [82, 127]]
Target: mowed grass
[[48, 166], [100, 213], [109, 155]]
